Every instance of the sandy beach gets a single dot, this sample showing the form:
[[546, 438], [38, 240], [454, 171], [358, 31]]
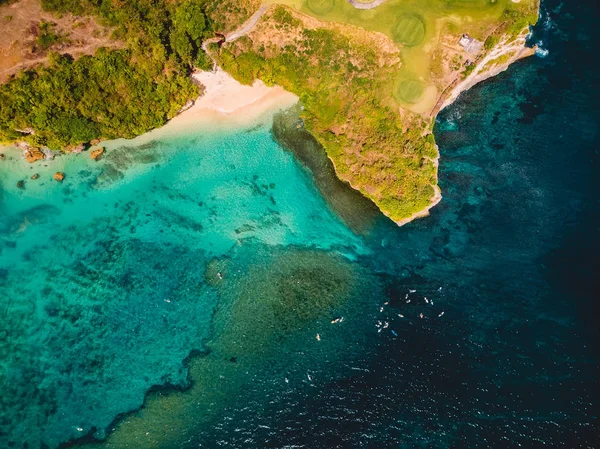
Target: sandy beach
[[227, 104]]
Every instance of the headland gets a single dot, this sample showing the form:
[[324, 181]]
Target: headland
[[371, 78]]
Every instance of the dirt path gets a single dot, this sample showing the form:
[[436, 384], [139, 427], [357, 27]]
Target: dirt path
[[74, 51], [248, 25], [20, 23]]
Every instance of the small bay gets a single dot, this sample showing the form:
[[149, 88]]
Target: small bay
[[215, 289]]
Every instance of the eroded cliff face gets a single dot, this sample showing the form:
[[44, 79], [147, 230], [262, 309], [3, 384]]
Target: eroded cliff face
[[497, 60]]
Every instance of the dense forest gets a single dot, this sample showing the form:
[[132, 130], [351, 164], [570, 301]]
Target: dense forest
[[115, 93]]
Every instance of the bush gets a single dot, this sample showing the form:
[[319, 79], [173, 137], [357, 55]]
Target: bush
[[72, 102], [491, 42]]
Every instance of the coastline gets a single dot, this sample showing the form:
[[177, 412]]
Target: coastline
[[507, 52], [486, 64], [224, 106], [227, 105], [513, 52]]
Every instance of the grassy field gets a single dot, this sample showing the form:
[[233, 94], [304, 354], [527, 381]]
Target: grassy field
[[410, 91], [415, 25], [409, 30]]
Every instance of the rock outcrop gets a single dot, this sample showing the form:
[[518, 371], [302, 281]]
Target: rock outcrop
[[76, 149], [59, 176], [97, 153], [33, 154]]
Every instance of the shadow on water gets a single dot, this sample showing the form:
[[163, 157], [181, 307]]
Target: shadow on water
[[358, 212]]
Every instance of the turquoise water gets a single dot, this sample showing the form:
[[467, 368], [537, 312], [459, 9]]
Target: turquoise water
[[102, 278], [200, 292]]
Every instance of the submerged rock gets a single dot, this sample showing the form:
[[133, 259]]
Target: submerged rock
[[120, 159], [35, 176], [108, 176], [21, 184], [48, 154], [35, 215], [59, 176]]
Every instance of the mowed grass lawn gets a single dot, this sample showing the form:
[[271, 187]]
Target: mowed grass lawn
[[409, 30], [410, 91], [412, 25]]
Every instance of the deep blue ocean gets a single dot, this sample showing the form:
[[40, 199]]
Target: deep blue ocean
[[222, 290]]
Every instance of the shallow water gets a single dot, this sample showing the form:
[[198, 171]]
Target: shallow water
[[222, 247], [103, 276]]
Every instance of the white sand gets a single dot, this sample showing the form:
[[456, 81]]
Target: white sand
[[227, 104], [224, 105]]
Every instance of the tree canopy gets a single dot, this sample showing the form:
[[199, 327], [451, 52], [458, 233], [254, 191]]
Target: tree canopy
[[115, 93]]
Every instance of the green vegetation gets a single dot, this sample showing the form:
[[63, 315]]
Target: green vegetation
[[228, 15], [410, 30], [71, 102], [47, 37], [169, 30], [468, 70], [118, 93], [340, 76], [410, 91], [283, 16], [516, 20], [491, 42], [502, 59]]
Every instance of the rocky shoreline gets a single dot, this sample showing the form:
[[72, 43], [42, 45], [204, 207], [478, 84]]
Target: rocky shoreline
[[506, 53], [216, 101], [499, 59]]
